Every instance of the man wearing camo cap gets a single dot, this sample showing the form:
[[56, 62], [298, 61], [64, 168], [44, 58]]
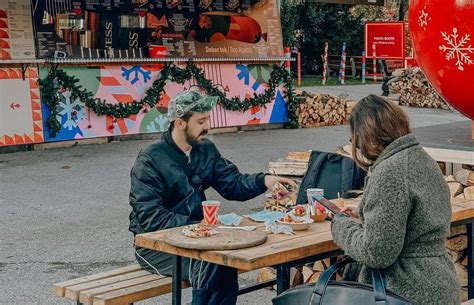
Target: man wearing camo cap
[[168, 181]]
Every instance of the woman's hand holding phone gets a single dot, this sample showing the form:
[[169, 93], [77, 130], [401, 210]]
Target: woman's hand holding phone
[[352, 211]]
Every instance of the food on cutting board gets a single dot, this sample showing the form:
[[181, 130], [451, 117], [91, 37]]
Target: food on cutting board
[[198, 231]]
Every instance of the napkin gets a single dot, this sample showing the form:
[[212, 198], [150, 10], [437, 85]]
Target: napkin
[[231, 219], [271, 226], [263, 216]]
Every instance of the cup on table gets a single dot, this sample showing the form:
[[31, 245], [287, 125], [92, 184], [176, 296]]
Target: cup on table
[[315, 193], [210, 209]]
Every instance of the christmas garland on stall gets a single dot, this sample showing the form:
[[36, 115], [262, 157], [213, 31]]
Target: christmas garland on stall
[[58, 79]]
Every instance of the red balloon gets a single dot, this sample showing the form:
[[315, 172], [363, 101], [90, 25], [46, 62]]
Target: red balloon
[[442, 36]]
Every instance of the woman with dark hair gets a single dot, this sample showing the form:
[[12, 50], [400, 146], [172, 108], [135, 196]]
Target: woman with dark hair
[[405, 213]]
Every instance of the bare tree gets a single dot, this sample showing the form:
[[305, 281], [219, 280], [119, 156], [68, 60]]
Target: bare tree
[[402, 9]]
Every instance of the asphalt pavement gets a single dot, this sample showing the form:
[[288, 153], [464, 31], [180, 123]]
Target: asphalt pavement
[[65, 211]]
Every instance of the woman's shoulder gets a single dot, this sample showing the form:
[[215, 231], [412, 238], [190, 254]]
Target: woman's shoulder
[[408, 158], [405, 165]]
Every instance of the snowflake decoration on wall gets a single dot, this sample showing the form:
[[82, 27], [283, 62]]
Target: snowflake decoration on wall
[[71, 109], [423, 19], [457, 48], [160, 123], [137, 71]]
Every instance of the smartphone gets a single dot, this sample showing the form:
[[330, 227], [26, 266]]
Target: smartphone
[[331, 206]]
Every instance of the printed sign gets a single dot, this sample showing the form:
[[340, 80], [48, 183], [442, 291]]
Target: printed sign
[[152, 28], [388, 38], [16, 30]]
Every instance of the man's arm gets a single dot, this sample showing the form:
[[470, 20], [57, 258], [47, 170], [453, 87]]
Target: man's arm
[[146, 198], [232, 184]]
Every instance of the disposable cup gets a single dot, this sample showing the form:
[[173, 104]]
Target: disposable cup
[[210, 209], [313, 193]]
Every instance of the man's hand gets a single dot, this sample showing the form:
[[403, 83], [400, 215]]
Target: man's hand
[[271, 180]]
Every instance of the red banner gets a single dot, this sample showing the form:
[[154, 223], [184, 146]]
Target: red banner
[[388, 38]]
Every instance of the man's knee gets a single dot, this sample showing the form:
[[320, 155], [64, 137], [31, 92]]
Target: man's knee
[[155, 261]]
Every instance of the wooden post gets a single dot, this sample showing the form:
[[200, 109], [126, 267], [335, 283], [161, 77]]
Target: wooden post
[[325, 61], [363, 67], [374, 62], [342, 65], [287, 56], [472, 129], [298, 63]]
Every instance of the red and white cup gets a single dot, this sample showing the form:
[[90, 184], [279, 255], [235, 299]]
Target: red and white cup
[[210, 209]]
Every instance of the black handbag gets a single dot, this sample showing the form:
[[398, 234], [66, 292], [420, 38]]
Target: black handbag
[[328, 292]]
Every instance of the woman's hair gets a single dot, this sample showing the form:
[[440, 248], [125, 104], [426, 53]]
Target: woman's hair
[[375, 123]]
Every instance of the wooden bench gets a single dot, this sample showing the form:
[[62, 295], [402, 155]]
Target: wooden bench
[[120, 286], [354, 66], [125, 286], [333, 64]]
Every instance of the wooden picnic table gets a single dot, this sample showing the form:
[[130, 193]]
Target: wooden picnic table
[[285, 251]]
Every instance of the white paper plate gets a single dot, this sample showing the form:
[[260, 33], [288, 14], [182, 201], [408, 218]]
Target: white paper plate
[[297, 226]]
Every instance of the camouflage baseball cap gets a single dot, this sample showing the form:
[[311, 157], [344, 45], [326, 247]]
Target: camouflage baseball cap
[[190, 101]]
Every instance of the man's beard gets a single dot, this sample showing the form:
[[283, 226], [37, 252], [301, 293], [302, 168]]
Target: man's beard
[[192, 140]]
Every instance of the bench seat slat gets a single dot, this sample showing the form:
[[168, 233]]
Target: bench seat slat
[[72, 292], [60, 288], [87, 296], [136, 293]]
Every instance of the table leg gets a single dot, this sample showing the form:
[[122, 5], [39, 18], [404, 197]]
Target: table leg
[[283, 278], [332, 261], [176, 281], [470, 261]]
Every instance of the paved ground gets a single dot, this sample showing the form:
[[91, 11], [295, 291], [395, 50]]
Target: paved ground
[[65, 211]]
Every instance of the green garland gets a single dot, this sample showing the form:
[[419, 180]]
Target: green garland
[[58, 79]]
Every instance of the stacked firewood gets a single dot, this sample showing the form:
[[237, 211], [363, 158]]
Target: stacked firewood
[[456, 245], [414, 90], [320, 109], [349, 106], [306, 274], [461, 186], [295, 164]]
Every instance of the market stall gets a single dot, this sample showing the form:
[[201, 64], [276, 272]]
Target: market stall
[[84, 69]]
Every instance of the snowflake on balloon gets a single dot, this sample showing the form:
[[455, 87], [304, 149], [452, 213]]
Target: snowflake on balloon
[[457, 48]]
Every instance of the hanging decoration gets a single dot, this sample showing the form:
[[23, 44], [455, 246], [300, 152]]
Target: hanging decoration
[[58, 80]]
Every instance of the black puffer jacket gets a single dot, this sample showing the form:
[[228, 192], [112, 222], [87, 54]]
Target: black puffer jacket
[[167, 191]]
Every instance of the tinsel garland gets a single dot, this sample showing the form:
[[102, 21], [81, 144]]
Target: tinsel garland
[[58, 79]]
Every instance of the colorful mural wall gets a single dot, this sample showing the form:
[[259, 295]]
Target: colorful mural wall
[[20, 107], [127, 83]]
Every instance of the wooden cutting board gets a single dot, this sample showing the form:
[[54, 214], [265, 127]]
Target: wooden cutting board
[[226, 239]]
